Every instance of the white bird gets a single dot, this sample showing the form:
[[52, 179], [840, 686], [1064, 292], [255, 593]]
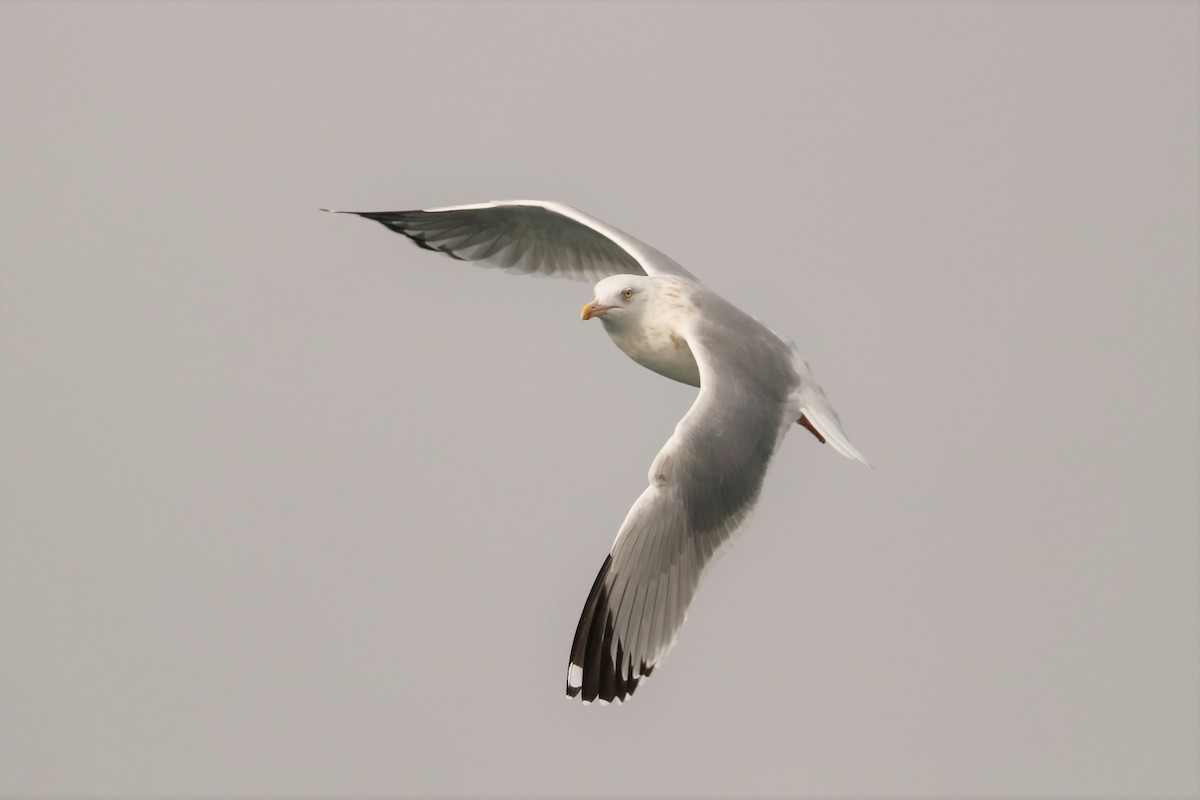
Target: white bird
[[707, 477]]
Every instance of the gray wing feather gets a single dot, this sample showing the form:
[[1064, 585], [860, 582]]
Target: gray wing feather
[[529, 237], [703, 485]]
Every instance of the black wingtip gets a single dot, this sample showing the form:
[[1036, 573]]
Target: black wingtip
[[395, 221], [583, 649], [378, 216], [375, 215], [595, 670]]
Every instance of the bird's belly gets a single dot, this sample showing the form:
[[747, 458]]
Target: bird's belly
[[663, 352]]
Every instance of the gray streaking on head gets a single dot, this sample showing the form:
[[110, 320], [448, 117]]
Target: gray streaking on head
[[707, 478]]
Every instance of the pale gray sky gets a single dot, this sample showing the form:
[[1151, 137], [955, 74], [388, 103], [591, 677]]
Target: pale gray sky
[[290, 506]]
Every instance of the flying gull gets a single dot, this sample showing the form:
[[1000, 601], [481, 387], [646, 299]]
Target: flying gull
[[706, 479]]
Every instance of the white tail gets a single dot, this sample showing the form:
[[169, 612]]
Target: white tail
[[822, 419]]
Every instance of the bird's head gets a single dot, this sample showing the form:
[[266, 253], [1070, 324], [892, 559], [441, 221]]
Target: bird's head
[[620, 299]]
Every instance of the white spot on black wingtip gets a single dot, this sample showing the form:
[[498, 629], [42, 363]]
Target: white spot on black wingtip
[[600, 669]]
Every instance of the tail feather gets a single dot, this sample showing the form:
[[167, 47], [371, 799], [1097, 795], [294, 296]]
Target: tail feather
[[821, 417], [830, 428]]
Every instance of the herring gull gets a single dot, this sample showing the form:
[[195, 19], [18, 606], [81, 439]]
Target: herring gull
[[706, 479]]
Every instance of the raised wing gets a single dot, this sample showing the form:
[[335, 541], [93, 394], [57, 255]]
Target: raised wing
[[703, 484], [529, 236]]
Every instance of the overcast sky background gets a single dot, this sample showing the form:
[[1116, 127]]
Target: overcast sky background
[[291, 506]]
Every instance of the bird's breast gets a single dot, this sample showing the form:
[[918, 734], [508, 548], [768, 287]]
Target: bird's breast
[[661, 349]]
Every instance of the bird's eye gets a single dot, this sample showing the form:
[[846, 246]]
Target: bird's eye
[[628, 293]]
